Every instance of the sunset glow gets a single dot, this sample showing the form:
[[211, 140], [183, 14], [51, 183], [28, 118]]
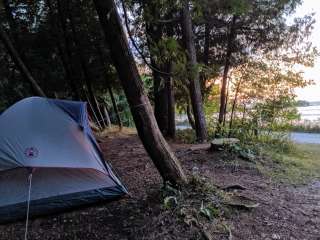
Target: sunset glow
[[311, 93]]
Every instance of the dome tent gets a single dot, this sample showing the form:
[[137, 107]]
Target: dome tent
[[52, 140]]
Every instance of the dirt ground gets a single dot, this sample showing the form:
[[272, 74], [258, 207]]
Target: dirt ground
[[284, 211]]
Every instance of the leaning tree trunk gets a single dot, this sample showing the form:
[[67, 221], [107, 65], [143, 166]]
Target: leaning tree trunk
[[141, 109], [19, 63], [194, 84], [223, 93]]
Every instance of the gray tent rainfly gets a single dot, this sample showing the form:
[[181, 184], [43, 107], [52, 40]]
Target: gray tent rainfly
[[53, 140]]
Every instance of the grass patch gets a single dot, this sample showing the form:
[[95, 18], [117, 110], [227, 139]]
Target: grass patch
[[115, 131], [299, 165], [186, 136]]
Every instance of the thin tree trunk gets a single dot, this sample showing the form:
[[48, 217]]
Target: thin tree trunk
[[194, 84], [171, 104], [19, 63], [206, 43], [115, 107], [106, 116], [114, 104], [226, 104], [170, 88], [154, 35], [244, 113], [234, 104], [223, 92], [190, 117], [141, 109]]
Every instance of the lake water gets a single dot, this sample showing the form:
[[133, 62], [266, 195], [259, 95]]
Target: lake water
[[310, 114], [299, 137]]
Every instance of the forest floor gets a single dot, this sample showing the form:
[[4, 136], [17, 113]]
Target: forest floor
[[284, 210]]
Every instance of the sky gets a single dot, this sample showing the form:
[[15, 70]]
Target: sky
[[311, 93]]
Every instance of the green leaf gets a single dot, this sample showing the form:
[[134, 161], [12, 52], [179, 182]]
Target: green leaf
[[170, 202]]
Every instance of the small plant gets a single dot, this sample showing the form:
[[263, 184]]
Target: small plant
[[244, 151], [186, 136], [210, 212], [170, 202]]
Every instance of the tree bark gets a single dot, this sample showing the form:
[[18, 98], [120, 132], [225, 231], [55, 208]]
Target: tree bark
[[106, 116], [223, 93], [115, 107], [19, 63], [141, 109], [226, 104], [190, 117], [234, 104], [194, 83]]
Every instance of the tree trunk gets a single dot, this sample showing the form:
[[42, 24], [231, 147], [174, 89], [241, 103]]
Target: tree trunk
[[169, 80], [19, 63], [171, 103], [244, 113], [194, 84], [141, 109], [84, 67], [160, 101], [114, 104], [154, 32], [190, 117], [63, 51], [206, 43], [115, 107], [234, 104], [226, 104], [223, 93], [106, 116]]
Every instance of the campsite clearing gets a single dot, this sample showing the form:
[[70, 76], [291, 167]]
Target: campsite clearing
[[284, 212]]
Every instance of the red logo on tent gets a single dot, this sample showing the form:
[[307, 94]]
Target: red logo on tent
[[31, 152]]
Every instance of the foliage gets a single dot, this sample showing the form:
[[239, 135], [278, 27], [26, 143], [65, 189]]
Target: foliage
[[306, 127], [186, 136]]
